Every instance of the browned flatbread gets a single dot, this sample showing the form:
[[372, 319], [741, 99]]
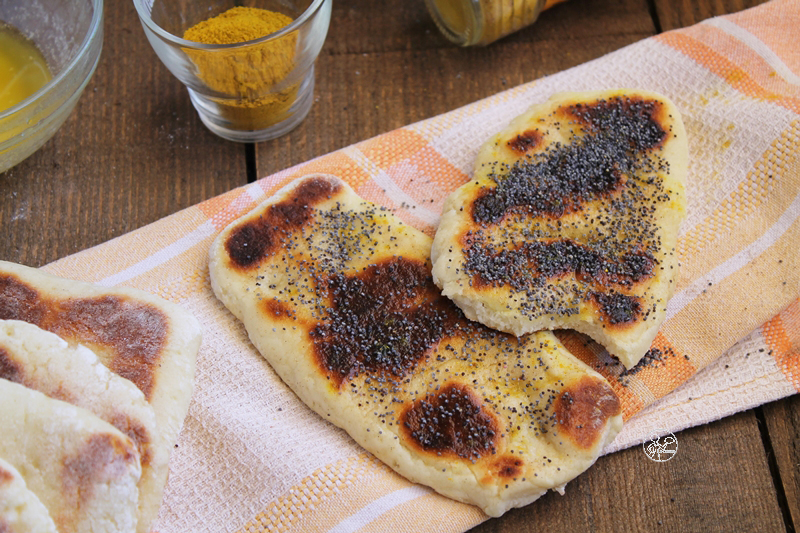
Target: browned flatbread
[[147, 340], [571, 221], [337, 294], [141, 337], [83, 469], [44, 362]]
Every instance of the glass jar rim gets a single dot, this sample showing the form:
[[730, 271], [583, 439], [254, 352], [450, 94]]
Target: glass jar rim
[[183, 43]]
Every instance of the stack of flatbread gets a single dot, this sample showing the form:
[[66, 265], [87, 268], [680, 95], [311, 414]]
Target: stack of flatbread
[[95, 385], [443, 369], [434, 355]]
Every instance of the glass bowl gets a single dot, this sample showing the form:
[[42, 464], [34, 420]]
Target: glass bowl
[[69, 33], [234, 87]]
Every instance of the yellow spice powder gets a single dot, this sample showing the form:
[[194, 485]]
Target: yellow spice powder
[[247, 74]]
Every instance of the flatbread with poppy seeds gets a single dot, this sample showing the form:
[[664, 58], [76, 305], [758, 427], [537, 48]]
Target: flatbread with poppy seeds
[[337, 294], [571, 221], [45, 362]]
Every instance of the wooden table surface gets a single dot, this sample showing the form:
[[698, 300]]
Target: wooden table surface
[[134, 151]]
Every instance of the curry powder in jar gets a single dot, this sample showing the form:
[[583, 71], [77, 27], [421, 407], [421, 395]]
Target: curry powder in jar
[[251, 78]]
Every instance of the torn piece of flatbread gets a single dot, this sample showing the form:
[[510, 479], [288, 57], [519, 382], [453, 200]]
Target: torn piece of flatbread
[[141, 337], [83, 469], [43, 361], [571, 221], [336, 293], [21, 511]]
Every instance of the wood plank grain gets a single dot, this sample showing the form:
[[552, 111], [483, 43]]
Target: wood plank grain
[[674, 14], [383, 68], [717, 482], [783, 423], [132, 152]]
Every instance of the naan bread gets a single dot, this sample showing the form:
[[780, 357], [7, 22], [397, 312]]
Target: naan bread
[[143, 338], [20, 509], [571, 221], [82, 469], [42, 361], [336, 293]]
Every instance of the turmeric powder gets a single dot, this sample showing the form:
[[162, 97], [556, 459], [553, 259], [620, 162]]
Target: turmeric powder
[[248, 75]]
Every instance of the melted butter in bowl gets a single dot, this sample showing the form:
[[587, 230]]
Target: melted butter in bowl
[[61, 38], [23, 68]]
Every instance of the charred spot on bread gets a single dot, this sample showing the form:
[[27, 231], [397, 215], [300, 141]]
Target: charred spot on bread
[[583, 408], [138, 434], [9, 368], [136, 333], [508, 467], [20, 301], [555, 182], [100, 459], [382, 321], [564, 177], [452, 421], [637, 120], [277, 309], [616, 308], [541, 262], [251, 241], [315, 190], [525, 141]]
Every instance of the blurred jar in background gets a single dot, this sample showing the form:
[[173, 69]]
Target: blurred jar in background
[[480, 22]]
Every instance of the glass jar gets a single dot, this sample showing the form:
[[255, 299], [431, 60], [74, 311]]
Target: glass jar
[[480, 22], [251, 91]]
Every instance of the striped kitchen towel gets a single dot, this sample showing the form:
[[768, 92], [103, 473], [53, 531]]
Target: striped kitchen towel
[[251, 457]]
